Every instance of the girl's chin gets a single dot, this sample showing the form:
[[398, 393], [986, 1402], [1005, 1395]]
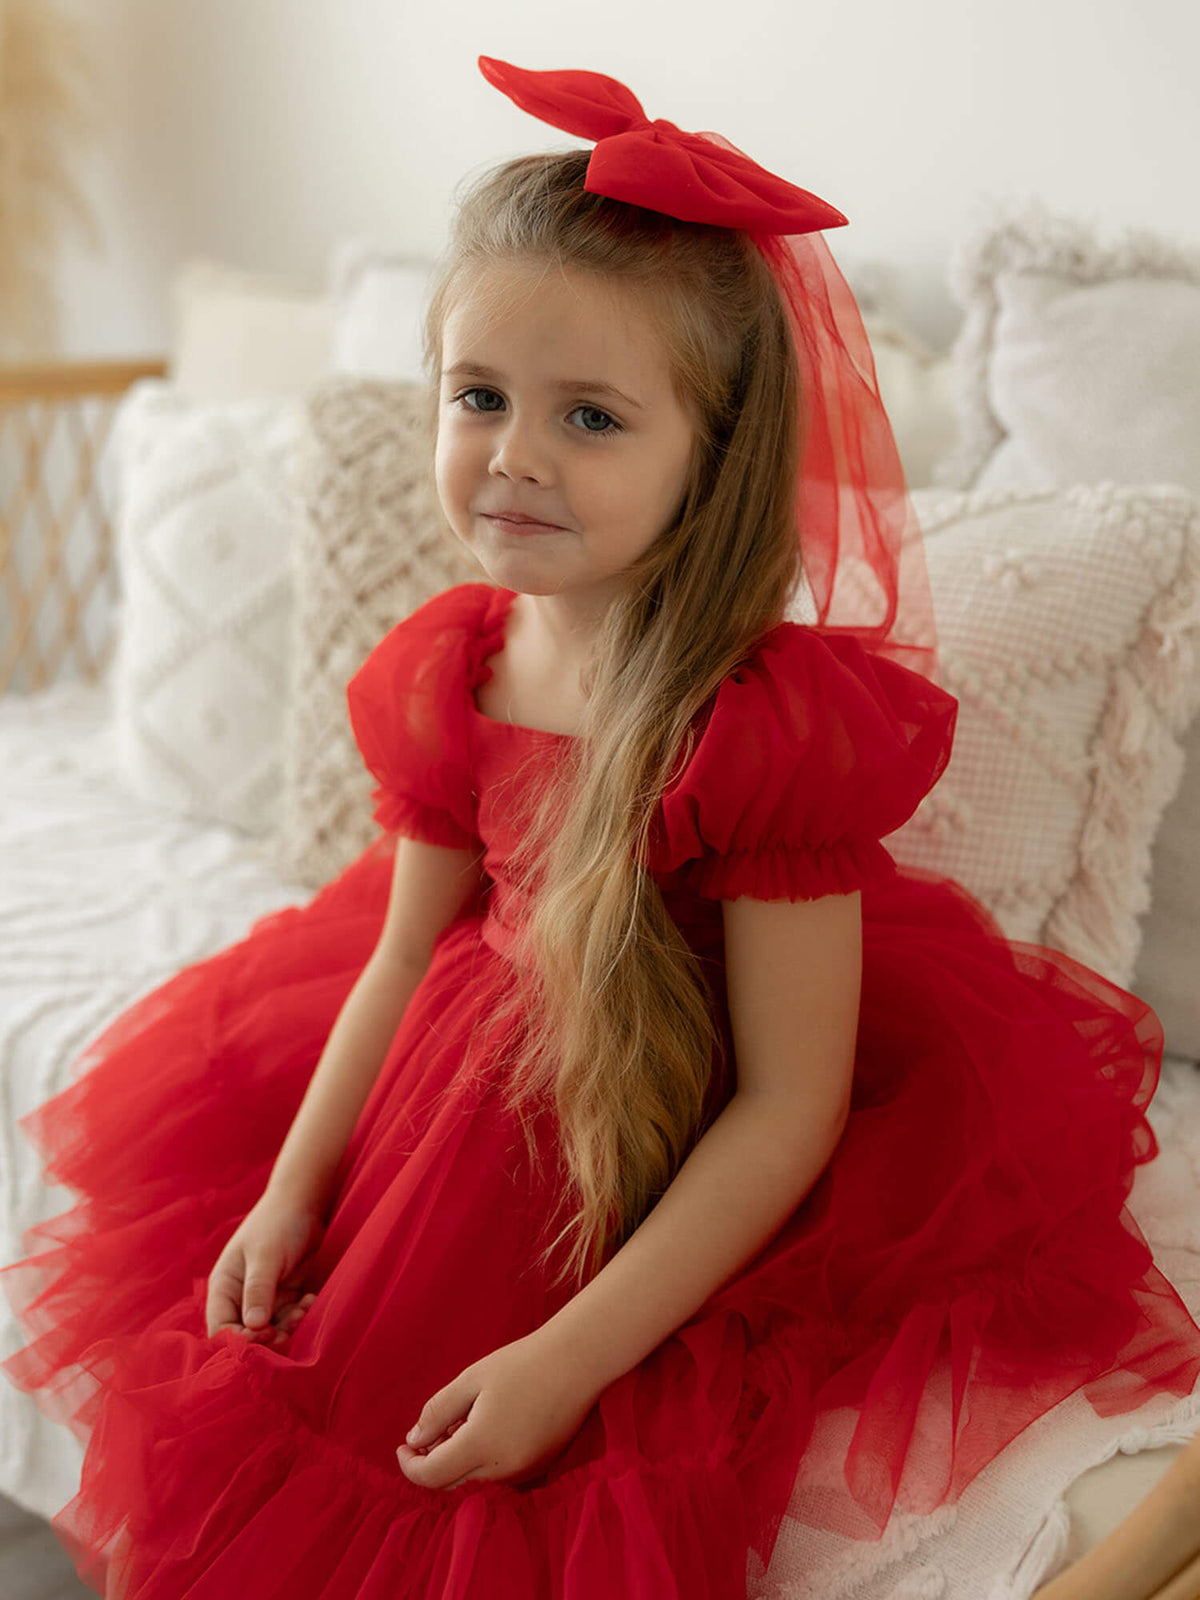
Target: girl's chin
[[508, 563]]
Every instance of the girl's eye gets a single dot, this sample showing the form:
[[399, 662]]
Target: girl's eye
[[611, 426], [460, 398]]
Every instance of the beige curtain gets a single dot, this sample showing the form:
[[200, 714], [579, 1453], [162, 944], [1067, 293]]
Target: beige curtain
[[49, 115]]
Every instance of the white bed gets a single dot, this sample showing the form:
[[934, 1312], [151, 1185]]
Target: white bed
[[102, 898]]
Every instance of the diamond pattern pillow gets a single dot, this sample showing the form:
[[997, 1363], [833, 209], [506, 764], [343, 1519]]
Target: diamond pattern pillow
[[1069, 630], [204, 527]]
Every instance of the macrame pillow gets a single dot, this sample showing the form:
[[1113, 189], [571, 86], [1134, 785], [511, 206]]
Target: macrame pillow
[[1079, 361], [371, 546], [1069, 629]]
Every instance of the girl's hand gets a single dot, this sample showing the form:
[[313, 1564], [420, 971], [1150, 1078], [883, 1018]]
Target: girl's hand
[[289, 1312], [503, 1417], [255, 1278]]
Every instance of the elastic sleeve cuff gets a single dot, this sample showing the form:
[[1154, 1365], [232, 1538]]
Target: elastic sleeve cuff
[[792, 872], [400, 813]]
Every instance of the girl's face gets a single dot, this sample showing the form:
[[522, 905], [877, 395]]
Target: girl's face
[[556, 404]]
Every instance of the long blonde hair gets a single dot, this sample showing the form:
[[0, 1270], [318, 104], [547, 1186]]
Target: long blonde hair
[[616, 1027]]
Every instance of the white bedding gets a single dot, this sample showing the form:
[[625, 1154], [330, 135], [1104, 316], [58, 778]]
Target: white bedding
[[103, 897]]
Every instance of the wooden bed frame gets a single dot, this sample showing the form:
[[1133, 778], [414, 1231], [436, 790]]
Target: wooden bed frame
[[40, 405]]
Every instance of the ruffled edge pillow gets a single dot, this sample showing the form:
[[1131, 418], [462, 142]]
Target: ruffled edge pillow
[[1014, 238]]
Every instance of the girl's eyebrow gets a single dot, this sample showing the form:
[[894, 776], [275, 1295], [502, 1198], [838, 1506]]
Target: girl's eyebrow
[[472, 369]]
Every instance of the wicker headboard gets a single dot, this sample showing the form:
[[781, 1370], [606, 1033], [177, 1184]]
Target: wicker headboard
[[56, 549]]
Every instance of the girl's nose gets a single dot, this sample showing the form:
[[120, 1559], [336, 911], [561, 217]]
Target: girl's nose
[[518, 452]]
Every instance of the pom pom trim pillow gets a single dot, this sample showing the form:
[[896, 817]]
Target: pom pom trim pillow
[[1070, 633]]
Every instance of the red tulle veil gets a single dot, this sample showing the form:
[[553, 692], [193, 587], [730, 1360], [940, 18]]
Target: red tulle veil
[[860, 540]]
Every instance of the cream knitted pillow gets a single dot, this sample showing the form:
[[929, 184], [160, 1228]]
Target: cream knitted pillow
[[1069, 629], [371, 547]]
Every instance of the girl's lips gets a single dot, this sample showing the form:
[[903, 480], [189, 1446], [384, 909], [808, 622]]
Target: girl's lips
[[522, 527]]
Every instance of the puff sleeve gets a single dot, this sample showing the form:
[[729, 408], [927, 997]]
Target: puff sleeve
[[813, 751], [407, 705]]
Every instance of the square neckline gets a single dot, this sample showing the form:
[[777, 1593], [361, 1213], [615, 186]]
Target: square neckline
[[491, 642]]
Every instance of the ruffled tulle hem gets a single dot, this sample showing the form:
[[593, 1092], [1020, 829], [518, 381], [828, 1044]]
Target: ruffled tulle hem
[[248, 1499], [199, 1482], [907, 1322]]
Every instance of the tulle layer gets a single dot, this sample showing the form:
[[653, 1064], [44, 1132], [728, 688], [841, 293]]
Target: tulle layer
[[248, 1499], [170, 1127], [964, 1264]]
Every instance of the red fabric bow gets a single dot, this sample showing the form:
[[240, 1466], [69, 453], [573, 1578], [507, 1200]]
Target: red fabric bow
[[655, 164]]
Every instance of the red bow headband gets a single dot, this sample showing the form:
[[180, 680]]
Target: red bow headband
[[656, 164], [861, 542]]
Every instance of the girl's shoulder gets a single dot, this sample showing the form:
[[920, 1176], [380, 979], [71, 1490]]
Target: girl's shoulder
[[429, 643], [452, 612], [408, 715], [820, 686], [811, 750], [409, 690]]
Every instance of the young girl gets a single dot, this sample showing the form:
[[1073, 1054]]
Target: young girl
[[623, 1150]]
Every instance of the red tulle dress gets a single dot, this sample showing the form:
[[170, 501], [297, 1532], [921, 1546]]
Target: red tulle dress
[[964, 1262]]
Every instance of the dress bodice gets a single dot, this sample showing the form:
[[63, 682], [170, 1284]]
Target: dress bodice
[[506, 761]]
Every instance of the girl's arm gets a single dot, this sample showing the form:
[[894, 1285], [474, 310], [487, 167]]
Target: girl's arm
[[430, 885], [307, 1162], [793, 974], [1153, 1554]]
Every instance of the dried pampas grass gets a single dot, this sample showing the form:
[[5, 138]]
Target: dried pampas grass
[[49, 112]]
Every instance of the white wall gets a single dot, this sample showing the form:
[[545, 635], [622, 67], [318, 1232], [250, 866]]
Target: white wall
[[260, 132]]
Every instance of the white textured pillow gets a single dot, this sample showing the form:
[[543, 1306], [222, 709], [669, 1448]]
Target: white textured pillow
[[914, 380], [246, 335], [204, 535], [1168, 967], [914, 385], [1069, 630], [378, 299], [1076, 362]]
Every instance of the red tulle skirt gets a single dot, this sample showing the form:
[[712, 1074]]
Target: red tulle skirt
[[964, 1263]]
